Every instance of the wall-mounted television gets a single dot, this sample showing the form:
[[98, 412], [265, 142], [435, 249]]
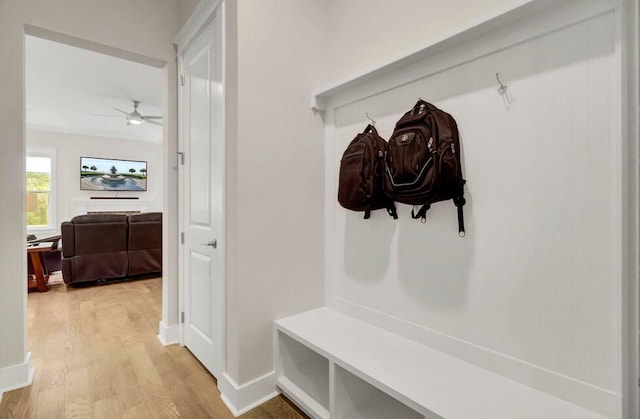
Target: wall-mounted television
[[98, 174]]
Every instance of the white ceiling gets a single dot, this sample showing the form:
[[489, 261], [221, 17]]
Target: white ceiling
[[65, 85]]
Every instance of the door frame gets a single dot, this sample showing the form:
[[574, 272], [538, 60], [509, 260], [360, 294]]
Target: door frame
[[199, 21]]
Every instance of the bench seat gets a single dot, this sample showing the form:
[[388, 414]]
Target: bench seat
[[333, 365]]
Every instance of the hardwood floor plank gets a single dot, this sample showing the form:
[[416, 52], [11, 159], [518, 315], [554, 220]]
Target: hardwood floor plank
[[164, 363], [186, 362], [276, 408], [52, 376], [140, 411], [96, 355], [78, 408], [76, 385], [11, 406], [187, 404], [51, 403], [200, 385], [107, 409], [127, 386]]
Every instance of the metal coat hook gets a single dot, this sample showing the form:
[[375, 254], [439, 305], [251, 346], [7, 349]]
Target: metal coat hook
[[373, 123], [503, 87]]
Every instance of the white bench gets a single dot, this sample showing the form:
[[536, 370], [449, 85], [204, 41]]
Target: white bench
[[335, 366]]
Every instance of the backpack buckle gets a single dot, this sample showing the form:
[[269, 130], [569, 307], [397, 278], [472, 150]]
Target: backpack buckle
[[421, 214], [459, 201]]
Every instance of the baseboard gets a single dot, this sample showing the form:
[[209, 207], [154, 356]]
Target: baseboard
[[168, 335], [242, 398], [16, 376], [552, 382]]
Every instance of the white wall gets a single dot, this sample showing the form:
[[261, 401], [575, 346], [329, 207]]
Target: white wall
[[275, 230], [145, 33], [70, 147], [362, 34], [533, 291], [185, 9]]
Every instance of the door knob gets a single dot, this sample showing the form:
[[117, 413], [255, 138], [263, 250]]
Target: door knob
[[213, 243]]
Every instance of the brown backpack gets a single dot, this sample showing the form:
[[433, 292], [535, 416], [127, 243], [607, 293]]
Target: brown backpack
[[422, 163], [361, 175]]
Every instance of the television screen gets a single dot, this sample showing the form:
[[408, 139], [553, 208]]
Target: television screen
[[98, 174]]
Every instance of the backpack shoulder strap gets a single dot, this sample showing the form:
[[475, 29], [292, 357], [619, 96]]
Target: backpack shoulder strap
[[459, 201]]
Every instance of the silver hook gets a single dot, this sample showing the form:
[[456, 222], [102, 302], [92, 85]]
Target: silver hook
[[373, 123], [503, 87]]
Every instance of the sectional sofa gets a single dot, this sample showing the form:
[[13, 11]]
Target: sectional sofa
[[106, 246]]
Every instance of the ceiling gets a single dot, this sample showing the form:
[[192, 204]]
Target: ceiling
[[65, 85]]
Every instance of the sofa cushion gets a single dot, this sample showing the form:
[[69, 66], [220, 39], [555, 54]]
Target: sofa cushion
[[100, 238], [145, 243], [145, 231]]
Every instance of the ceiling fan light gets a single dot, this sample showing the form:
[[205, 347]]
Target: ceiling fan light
[[135, 121]]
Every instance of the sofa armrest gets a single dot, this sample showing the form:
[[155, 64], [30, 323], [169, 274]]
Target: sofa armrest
[[68, 239]]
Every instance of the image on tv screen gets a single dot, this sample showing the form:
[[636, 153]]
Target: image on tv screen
[[98, 174]]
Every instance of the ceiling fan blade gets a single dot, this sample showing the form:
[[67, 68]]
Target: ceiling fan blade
[[151, 117], [105, 114], [152, 122], [120, 110]]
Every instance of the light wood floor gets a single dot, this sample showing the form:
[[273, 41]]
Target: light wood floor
[[97, 356]]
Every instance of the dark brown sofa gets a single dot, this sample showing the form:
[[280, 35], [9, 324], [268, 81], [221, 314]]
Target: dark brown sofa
[[105, 246]]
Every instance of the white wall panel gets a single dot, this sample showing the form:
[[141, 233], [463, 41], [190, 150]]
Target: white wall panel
[[535, 280]]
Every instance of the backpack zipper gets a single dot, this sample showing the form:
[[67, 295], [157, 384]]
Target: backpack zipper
[[425, 167]]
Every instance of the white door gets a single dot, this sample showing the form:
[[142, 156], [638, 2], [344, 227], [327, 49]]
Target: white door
[[202, 198]]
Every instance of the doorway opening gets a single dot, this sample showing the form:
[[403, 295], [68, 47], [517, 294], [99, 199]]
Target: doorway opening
[[95, 143]]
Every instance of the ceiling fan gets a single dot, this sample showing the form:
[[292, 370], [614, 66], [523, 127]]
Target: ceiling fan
[[134, 117]]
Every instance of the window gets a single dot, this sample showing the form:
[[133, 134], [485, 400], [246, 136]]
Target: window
[[39, 196]]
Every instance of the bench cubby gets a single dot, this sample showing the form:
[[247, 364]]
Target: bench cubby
[[304, 375], [357, 399]]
